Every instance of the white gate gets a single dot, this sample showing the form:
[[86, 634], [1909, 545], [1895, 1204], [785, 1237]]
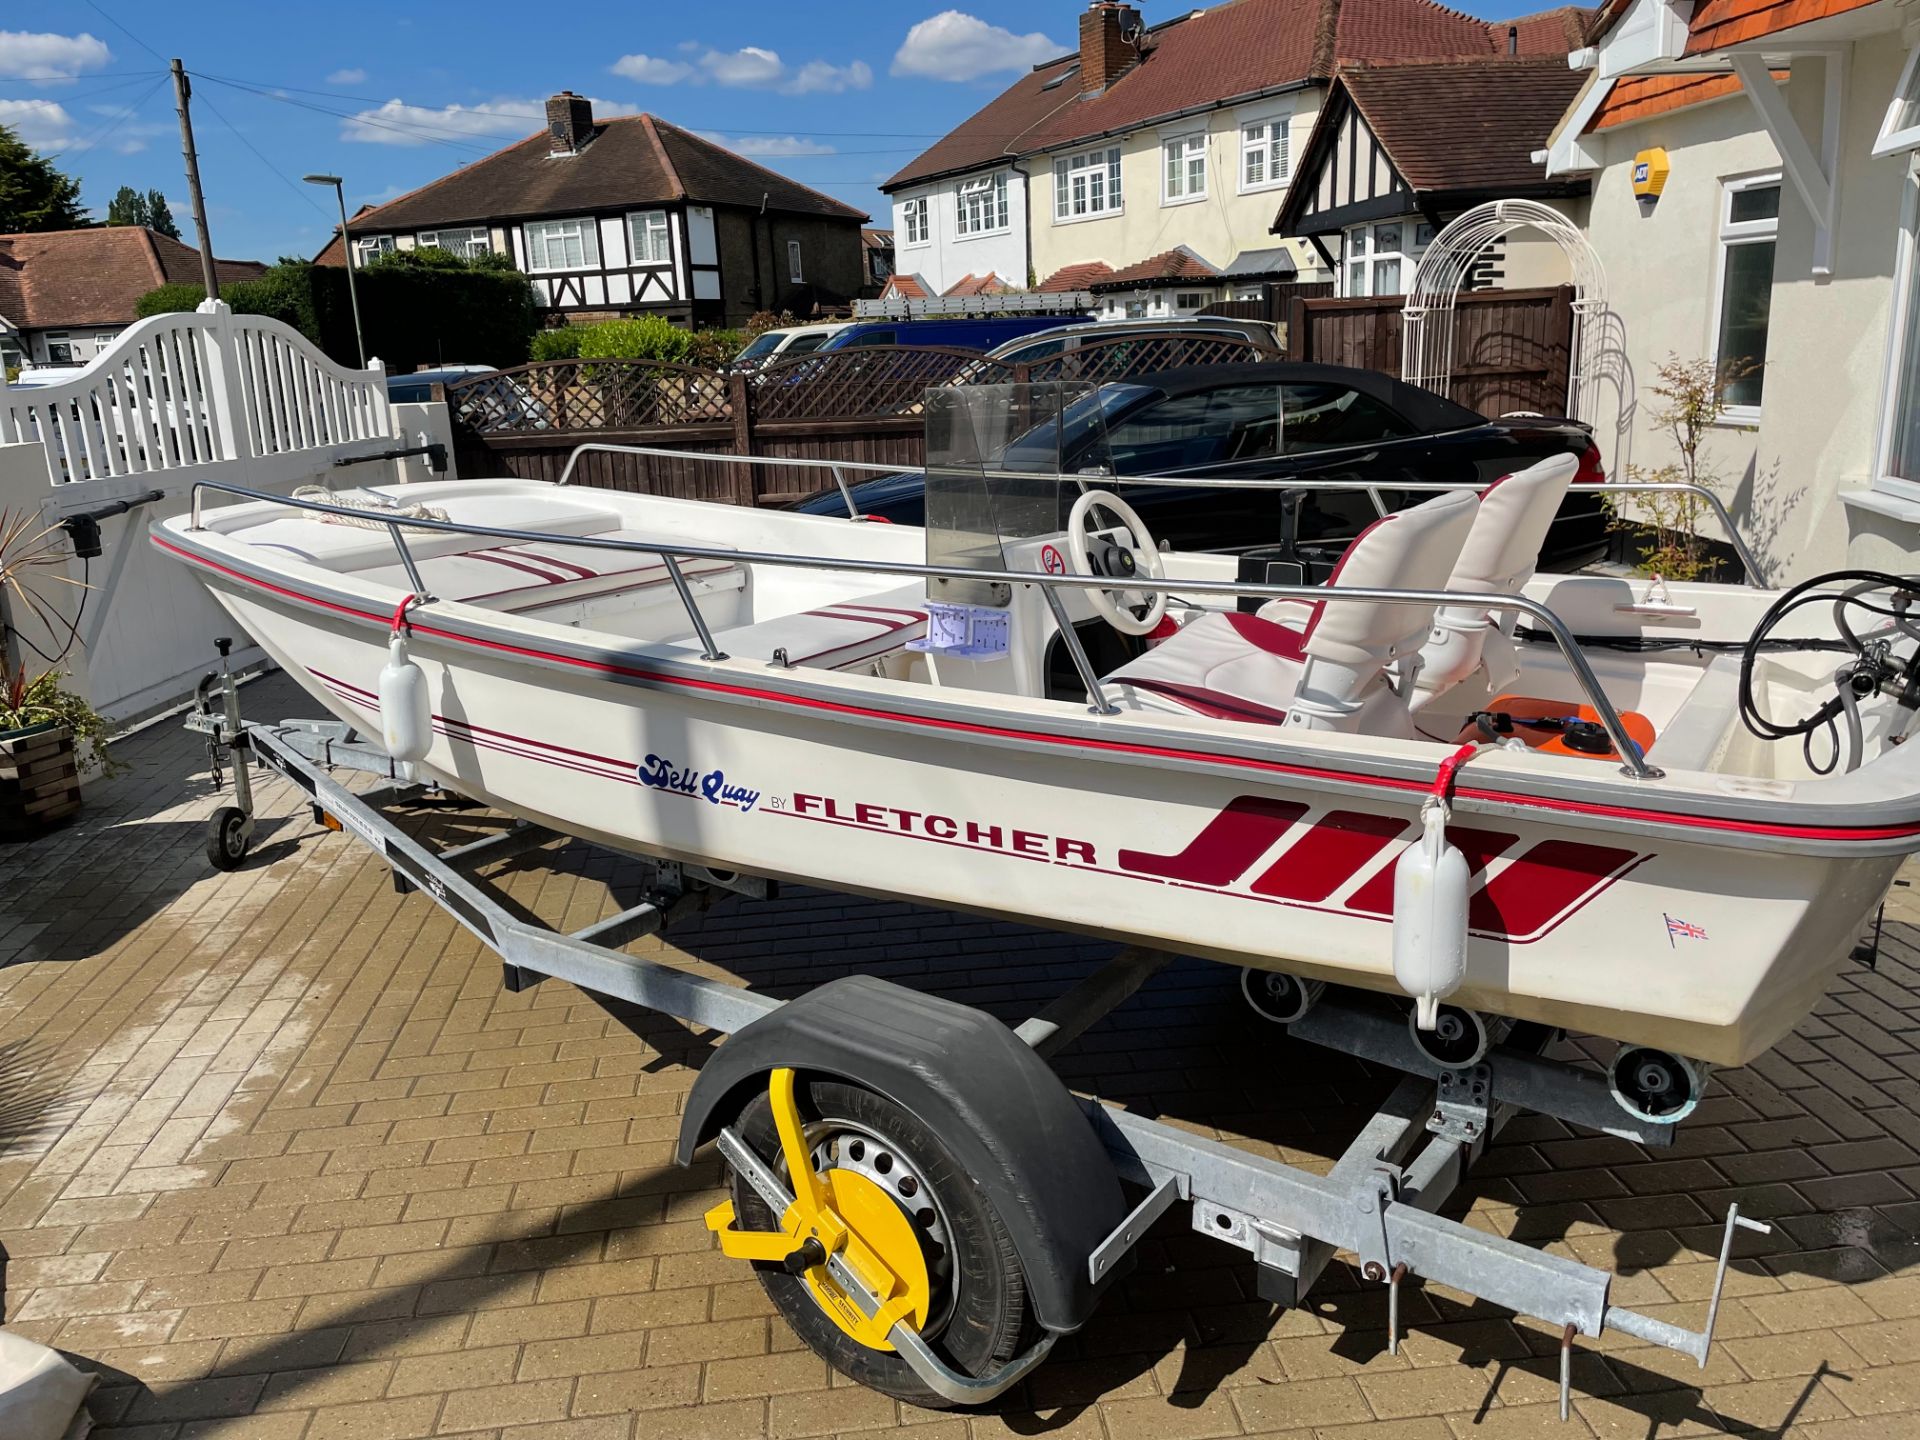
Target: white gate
[[1427, 333], [176, 399]]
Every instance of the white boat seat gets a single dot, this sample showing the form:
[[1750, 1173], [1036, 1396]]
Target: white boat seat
[[347, 548], [1502, 552], [517, 577], [837, 636], [1315, 664]]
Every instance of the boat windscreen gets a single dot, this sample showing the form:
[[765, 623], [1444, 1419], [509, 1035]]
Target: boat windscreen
[[994, 458]]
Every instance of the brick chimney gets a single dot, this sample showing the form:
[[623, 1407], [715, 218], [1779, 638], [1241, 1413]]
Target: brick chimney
[[1106, 31], [569, 123]]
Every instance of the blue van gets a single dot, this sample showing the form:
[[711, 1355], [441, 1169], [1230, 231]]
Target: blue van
[[964, 332]]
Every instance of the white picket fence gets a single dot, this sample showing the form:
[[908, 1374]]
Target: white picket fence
[[178, 399]]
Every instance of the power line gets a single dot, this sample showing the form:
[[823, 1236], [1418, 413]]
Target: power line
[[468, 144], [67, 79], [111, 123], [91, 5], [278, 173]]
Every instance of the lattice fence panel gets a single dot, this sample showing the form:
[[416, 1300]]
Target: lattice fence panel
[[589, 395], [865, 384], [1123, 356]]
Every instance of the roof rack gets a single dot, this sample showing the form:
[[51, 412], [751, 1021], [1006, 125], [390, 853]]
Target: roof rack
[[940, 307]]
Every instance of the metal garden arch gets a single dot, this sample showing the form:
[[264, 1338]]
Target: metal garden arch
[[1427, 340]]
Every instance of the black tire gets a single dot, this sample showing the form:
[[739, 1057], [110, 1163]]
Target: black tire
[[227, 838], [982, 1319]]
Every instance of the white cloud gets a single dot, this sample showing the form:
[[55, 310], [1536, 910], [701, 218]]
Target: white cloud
[[651, 70], [398, 123], [40, 124], [770, 146], [956, 46], [25, 55], [352, 75], [751, 67]]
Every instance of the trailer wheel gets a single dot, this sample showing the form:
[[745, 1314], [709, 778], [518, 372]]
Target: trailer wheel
[[978, 1315], [227, 838]]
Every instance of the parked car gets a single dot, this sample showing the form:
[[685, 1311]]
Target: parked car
[[962, 332], [783, 344], [404, 389], [1028, 349], [1273, 421]]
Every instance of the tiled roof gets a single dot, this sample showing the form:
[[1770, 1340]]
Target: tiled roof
[[1464, 124], [876, 239], [1637, 97], [1236, 49], [906, 287], [1170, 267], [631, 160], [1074, 277], [1716, 24], [971, 284], [92, 277]]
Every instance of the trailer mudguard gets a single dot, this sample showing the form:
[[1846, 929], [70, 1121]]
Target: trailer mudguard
[[1004, 1114]]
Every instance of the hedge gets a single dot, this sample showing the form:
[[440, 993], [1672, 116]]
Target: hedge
[[646, 337]]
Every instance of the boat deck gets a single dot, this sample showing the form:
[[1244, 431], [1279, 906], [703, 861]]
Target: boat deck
[[280, 1158]]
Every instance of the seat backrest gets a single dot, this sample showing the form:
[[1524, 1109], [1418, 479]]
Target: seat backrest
[[1414, 549], [1502, 551], [1350, 644]]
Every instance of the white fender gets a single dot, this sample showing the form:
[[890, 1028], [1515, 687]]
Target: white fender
[[406, 715], [1430, 882]]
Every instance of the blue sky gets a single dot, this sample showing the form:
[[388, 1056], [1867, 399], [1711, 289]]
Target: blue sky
[[392, 95]]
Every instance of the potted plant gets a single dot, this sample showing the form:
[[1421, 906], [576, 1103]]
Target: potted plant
[[47, 731]]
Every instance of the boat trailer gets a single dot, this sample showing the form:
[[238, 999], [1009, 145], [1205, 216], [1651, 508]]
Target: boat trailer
[[1378, 1202]]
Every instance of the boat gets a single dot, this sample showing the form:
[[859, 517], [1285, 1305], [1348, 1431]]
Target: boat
[[1657, 813]]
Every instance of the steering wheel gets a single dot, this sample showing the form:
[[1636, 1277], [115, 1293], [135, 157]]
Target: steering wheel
[[1094, 554]]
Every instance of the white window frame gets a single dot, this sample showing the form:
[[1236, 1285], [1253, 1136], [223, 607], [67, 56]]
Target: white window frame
[[1901, 324], [1199, 299], [366, 247], [796, 269], [1182, 164], [980, 206], [643, 226], [1733, 233], [1278, 137], [1895, 138], [914, 223], [1107, 161], [1408, 255], [65, 341], [470, 237], [587, 231]]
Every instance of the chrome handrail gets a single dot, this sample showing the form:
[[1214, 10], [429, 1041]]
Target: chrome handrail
[[1634, 762], [1371, 488]]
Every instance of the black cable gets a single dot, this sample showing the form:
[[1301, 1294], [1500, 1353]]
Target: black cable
[[1794, 599]]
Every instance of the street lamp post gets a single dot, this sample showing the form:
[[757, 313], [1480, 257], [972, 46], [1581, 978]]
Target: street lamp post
[[346, 246]]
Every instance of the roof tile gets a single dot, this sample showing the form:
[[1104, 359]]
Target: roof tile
[[92, 277]]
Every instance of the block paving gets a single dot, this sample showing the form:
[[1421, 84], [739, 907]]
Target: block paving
[[280, 1158]]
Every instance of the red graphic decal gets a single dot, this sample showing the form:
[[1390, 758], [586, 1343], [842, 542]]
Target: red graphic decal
[[1540, 884], [1481, 847], [1332, 854], [1052, 561], [1221, 853]]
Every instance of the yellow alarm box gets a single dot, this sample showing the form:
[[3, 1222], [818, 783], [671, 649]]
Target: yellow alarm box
[[1650, 170]]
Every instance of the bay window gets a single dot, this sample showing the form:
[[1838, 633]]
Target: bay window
[[648, 239], [1087, 184], [980, 206], [562, 245], [1184, 163], [466, 242], [1749, 224]]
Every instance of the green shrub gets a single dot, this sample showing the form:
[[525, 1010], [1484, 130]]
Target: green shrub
[[175, 299], [560, 344], [712, 349], [639, 337]]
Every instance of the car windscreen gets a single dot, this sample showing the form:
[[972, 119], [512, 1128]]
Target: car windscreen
[[763, 344], [812, 340]]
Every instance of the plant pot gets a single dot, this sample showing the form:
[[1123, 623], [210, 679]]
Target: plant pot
[[39, 779]]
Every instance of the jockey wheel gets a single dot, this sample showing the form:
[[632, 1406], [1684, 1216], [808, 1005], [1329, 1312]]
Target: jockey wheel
[[884, 1193]]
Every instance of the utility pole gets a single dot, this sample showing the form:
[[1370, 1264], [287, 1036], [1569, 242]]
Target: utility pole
[[181, 90]]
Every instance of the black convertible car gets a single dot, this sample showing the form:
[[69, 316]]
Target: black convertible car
[[1269, 422]]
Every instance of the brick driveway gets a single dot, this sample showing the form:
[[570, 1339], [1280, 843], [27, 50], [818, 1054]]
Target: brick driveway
[[279, 1158]]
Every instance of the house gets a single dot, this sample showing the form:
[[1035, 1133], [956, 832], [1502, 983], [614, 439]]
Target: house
[[876, 248], [632, 215], [1756, 201], [64, 294], [1152, 137], [1402, 147]]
